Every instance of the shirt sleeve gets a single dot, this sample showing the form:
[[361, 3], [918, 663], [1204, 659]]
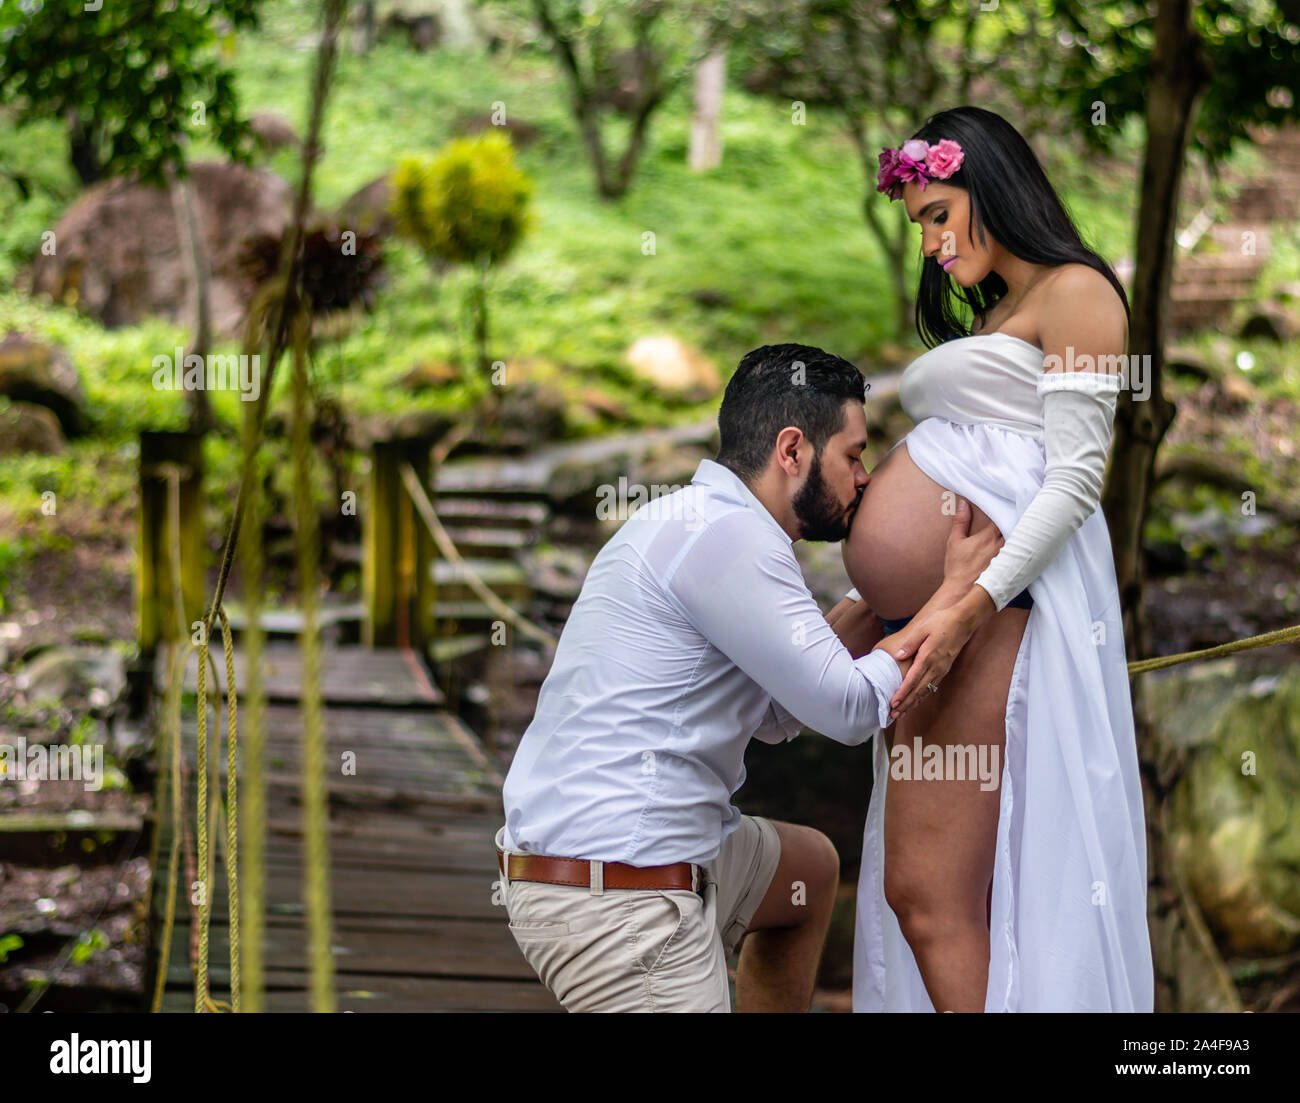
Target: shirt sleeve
[[1078, 417], [740, 585], [779, 725]]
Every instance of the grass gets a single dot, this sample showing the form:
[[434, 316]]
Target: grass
[[775, 237]]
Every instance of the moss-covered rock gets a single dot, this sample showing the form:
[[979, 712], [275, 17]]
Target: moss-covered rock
[[1236, 832]]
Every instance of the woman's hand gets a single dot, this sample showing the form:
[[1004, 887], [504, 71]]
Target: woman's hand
[[934, 636]]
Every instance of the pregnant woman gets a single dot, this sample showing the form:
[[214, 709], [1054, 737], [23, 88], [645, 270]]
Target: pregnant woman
[[1004, 860]]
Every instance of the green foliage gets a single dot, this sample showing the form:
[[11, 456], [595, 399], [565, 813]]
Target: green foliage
[[88, 944], [1250, 51], [468, 204], [8, 944], [128, 74]]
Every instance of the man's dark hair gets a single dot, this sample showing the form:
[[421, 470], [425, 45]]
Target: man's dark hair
[[779, 385]]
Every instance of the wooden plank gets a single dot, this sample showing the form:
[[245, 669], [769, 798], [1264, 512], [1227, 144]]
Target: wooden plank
[[466, 950], [287, 991], [357, 892], [349, 675], [412, 863]]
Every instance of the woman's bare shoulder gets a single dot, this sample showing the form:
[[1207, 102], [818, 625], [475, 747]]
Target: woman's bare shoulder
[[1082, 301]]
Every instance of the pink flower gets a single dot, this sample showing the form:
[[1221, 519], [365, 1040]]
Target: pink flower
[[888, 166], [943, 159], [915, 150], [910, 168]]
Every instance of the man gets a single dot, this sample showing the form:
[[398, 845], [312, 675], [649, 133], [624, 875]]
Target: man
[[631, 875]]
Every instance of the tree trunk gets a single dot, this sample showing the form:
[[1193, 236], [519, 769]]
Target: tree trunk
[[627, 163], [894, 244], [365, 29], [195, 253], [1189, 971], [82, 152], [706, 132]]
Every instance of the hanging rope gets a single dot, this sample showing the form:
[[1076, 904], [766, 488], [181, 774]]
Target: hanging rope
[[281, 303], [315, 811], [251, 563]]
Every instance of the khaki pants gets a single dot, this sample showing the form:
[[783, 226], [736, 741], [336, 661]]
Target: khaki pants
[[645, 949]]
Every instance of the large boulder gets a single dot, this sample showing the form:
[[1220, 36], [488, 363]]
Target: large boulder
[[420, 22], [521, 134], [367, 208], [28, 428], [1272, 321], [674, 367], [118, 256], [1232, 812], [31, 371], [273, 131]]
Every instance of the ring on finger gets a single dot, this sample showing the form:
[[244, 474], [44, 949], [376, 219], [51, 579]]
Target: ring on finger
[[932, 687]]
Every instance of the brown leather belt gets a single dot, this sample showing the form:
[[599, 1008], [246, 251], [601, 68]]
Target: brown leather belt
[[616, 875]]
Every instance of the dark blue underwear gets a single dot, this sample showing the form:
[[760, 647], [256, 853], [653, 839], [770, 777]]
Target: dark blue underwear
[[1022, 600]]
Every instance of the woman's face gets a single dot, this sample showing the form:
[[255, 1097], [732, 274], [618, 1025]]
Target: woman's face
[[943, 213]]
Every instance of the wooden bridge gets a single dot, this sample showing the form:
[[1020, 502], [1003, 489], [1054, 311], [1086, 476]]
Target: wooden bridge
[[410, 843], [411, 820]]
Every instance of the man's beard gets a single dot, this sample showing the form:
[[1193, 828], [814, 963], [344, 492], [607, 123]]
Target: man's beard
[[821, 517]]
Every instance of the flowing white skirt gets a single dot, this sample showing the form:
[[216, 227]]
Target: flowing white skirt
[[1069, 925]]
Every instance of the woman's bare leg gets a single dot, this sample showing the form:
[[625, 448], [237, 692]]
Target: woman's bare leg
[[940, 834]]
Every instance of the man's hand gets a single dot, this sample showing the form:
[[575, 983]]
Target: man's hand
[[857, 626]]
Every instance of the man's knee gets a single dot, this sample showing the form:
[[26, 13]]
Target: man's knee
[[806, 879]]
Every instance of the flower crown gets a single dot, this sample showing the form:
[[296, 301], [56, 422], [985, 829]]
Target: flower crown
[[918, 161]]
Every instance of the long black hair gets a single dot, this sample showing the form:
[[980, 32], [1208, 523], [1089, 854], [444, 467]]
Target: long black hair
[[1010, 194]]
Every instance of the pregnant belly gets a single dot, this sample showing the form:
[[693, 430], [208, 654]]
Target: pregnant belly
[[895, 549]]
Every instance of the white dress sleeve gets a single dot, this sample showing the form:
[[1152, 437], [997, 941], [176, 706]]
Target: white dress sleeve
[[1078, 417]]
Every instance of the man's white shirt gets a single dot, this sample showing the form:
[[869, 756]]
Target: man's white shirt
[[693, 632]]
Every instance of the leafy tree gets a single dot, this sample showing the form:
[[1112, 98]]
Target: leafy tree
[[1198, 74], [133, 79], [621, 58], [882, 68], [466, 205]]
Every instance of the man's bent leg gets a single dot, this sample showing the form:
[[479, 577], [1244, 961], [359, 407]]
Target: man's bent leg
[[622, 950], [780, 954]]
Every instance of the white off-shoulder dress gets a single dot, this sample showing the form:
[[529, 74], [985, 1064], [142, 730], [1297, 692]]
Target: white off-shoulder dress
[[1068, 927]]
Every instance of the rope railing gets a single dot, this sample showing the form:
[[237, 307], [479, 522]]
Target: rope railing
[[1248, 643]]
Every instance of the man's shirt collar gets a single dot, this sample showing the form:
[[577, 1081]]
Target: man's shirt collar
[[722, 480]]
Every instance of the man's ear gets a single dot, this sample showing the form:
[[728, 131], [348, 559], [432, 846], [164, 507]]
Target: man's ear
[[788, 442]]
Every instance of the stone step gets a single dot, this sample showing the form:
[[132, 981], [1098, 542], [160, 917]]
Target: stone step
[[1205, 296], [1234, 284], [505, 513], [448, 649], [1265, 202], [489, 543], [462, 617], [503, 577]]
